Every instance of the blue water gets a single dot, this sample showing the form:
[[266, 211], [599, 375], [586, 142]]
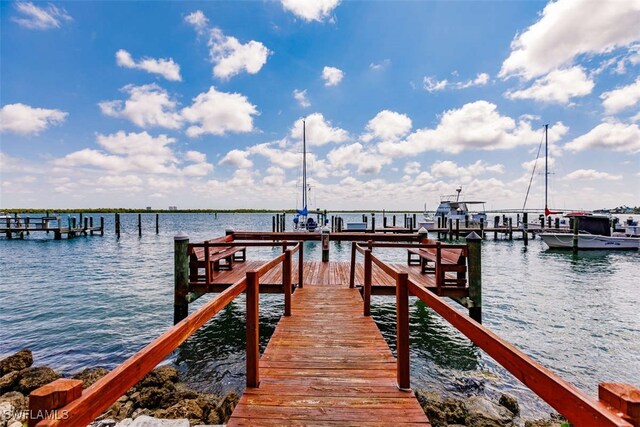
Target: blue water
[[95, 301]]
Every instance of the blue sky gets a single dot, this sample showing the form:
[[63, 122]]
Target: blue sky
[[199, 104]]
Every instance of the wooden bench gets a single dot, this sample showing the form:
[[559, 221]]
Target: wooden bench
[[219, 257], [452, 261]]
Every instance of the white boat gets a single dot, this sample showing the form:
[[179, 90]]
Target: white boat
[[452, 208], [302, 221], [594, 232]]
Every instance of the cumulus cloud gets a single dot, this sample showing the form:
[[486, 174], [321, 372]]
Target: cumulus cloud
[[123, 152], [448, 168], [621, 98], [40, 18], [147, 106], [237, 158], [386, 63], [311, 10], [26, 120], [592, 175], [558, 86], [554, 40], [280, 157], [474, 126], [387, 126], [318, 131], [431, 84], [164, 67], [301, 97], [615, 136], [412, 168], [367, 161], [217, 113], [332, 76], [480, 80], [230, 56]]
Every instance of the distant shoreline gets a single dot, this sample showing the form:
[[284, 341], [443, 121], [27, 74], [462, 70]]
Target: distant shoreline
[[166, 211]]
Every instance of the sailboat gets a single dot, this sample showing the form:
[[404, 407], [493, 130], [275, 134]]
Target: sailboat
[[302, 221], [594, 230]]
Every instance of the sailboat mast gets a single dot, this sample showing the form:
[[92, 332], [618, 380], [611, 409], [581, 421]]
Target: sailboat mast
[[304, 166], [546, 167]]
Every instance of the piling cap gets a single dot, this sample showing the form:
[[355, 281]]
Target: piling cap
[[326, 229], [229, 231], [423, 230], [473, 236], [181, 236]]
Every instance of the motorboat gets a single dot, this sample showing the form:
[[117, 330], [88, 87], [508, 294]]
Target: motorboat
[[452, 208], [594, 232]]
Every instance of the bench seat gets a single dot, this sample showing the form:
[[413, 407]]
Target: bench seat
[[453, 264]]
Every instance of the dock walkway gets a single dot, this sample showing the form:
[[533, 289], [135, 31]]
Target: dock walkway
[[327, 364]]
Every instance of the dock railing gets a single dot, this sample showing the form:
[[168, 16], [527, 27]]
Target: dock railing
[[618, 404], [64, 403]]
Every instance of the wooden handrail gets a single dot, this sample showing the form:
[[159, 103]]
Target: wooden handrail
[[239, 243], [253, 329], [385, 267], [335, 236], [264, 268], [572, 403], [104, 392], [368, 267]]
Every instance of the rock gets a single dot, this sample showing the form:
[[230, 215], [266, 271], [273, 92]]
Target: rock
[[184, 409], [125, 410], [430, 403], [107, 422], [16, 399], [556, 420], [33, 378], [8, 382], [125, 423], [226, 406], [6, 411], [147, 421], [454, 410], [17, 362], [15, 424], [151, 397], [510, 403], [90, 376], [484, 413], [469, 385], [159, 377], [140, 412]]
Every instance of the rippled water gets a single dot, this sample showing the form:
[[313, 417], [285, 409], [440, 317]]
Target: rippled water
[[95, 301]]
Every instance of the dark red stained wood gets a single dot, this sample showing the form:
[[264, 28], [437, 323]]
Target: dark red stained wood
[[50, 397], [622, 397], [327, 364], [253, 334]]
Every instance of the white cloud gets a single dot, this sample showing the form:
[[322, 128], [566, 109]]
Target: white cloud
[[332, 76], [474, 126], [558, 86], [613, 136], [432, 85], [283, 158], [301, 97], [559, 35], [386, 63], [621, 98], [26, 120], [311, 10], [448, 168], [412, 168], [164, 67], [227, 53], [318, 131], [217, 113], [237, 158], [367, 161], [480, 80], [198, 20], [38, 18], [591, 175], [387, 126], [147, 106]]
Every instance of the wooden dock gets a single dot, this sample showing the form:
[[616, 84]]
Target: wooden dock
[[327, 364]]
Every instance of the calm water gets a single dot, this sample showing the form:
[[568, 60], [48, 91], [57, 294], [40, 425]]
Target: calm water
[[95, 301]]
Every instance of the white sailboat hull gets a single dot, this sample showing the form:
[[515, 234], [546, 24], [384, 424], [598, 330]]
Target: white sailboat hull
[[589, 241]]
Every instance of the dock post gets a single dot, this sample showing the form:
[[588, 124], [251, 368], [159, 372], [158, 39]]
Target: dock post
[[412, 224], [402, 332], [557, 222], [301, 265], [352, 271], [157, 223], [85, 226], [286, 281], [457, 228], [482, 228], [466, 221], [496, 224], [273, 223], [325, 243], [117, 219], [576, 227], [80, 220], [91, 224], [394, 220], [367, 282], [450, 228], [549, 222], [475, 276], [525, 226], [284, 222], [26, 224], [139, 225], [253, 332], [510, 228], [373, 222], [50, 397], [181, 277], [384, 221]]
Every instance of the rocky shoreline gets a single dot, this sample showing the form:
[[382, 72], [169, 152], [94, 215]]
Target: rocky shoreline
[[160, 395]]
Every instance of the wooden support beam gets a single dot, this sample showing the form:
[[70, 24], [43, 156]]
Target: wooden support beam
[[368, 269], [181, 278], [44, 401], [402, 332], [286, 281], [301, 265], [623, 398], [474, 243], [352, 276], [253, 332]]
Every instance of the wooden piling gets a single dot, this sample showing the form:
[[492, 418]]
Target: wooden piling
[[286, 281], [557, 223], [117, 220], [139, 225], [45, 400], [525, 226], [181, 277], [368, 267], [352, 276], [457, 228], [482, 228], [402, 332], [576, 228], [373, 222], [394, 220], [510, 228], [466, 221], [301, 265], [157, 223], [91, 224], [496, 224], [253, 331], [273, 223], [384, 221], [450, 229], [475, 276]]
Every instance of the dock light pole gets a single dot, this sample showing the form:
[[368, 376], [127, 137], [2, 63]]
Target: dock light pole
[[325, 243], [181, 277]]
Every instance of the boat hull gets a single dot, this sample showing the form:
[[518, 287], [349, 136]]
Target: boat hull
[[590, 241]]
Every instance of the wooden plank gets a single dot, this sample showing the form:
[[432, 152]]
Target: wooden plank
[[327, 363]]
